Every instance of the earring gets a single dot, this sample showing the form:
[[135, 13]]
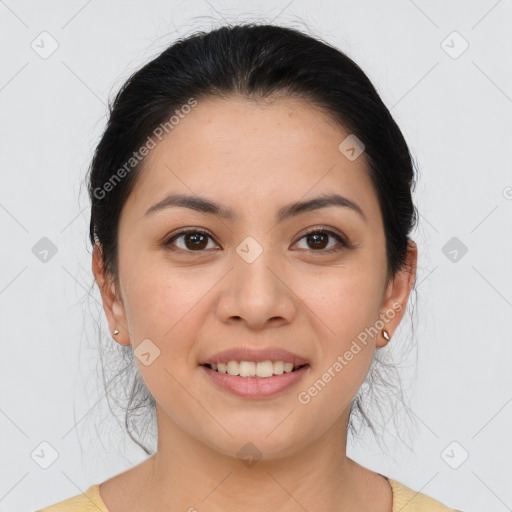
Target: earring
[[385, 335], [116, 331]]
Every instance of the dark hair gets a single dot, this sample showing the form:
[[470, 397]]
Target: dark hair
[[255, 61]]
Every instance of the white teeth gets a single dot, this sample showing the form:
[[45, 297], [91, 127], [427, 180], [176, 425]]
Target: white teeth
[[288, 367], [265, 369], [278, 367], [245, 368], [232, 368], [253, 369]]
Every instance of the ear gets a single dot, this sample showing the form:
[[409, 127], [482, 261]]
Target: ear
[[397, 294], [112, 304]]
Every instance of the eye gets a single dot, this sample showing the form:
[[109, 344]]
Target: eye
[[195, 240], [319, 237]]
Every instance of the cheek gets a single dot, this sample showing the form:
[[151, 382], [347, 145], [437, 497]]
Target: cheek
[[345, 303], [344, 300], [169, 309], [159, 300], [344, 310], [165, 310]]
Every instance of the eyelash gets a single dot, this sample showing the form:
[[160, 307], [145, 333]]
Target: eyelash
[[335, 235]]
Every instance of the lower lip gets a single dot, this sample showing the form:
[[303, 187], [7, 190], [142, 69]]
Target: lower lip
[[255, 387]]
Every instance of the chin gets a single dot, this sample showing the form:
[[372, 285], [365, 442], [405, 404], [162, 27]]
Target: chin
[[260, 443]]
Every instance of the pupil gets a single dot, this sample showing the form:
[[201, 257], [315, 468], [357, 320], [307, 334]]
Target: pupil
[[195, 238], [315, 237]]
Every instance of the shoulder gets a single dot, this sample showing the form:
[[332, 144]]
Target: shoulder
[[407, 500], [89, 501]]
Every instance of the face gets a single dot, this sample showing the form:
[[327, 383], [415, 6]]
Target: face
[[313, 282]]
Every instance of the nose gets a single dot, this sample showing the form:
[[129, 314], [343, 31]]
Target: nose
[[257, 294]]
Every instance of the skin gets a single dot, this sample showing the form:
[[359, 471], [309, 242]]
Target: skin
[[252, 157]]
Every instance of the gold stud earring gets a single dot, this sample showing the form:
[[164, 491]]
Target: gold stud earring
[[116, 331], [385, 335]]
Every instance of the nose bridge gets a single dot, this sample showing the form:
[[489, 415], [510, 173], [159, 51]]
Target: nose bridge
[[257, 292], [254, 264]]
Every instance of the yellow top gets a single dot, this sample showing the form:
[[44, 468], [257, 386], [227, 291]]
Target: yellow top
[[404, 500]]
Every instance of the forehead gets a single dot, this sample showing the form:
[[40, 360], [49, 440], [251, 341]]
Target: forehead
[[245, 153]]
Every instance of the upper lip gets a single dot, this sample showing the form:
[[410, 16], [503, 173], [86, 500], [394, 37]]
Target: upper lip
[[256, 355]]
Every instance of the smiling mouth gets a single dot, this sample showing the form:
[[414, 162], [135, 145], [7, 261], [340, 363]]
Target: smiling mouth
[[236, 373]]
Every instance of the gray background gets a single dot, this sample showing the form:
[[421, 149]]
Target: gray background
[[454, 108]]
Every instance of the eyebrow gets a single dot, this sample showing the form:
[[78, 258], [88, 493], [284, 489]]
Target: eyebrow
[[208, 206]]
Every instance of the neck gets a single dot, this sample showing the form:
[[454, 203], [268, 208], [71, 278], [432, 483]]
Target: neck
[[186, 474]]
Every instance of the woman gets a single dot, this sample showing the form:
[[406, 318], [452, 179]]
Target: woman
[[251, 211]]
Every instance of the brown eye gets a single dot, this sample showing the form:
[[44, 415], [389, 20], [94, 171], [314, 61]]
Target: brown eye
[[194, 240], [318, 240]]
